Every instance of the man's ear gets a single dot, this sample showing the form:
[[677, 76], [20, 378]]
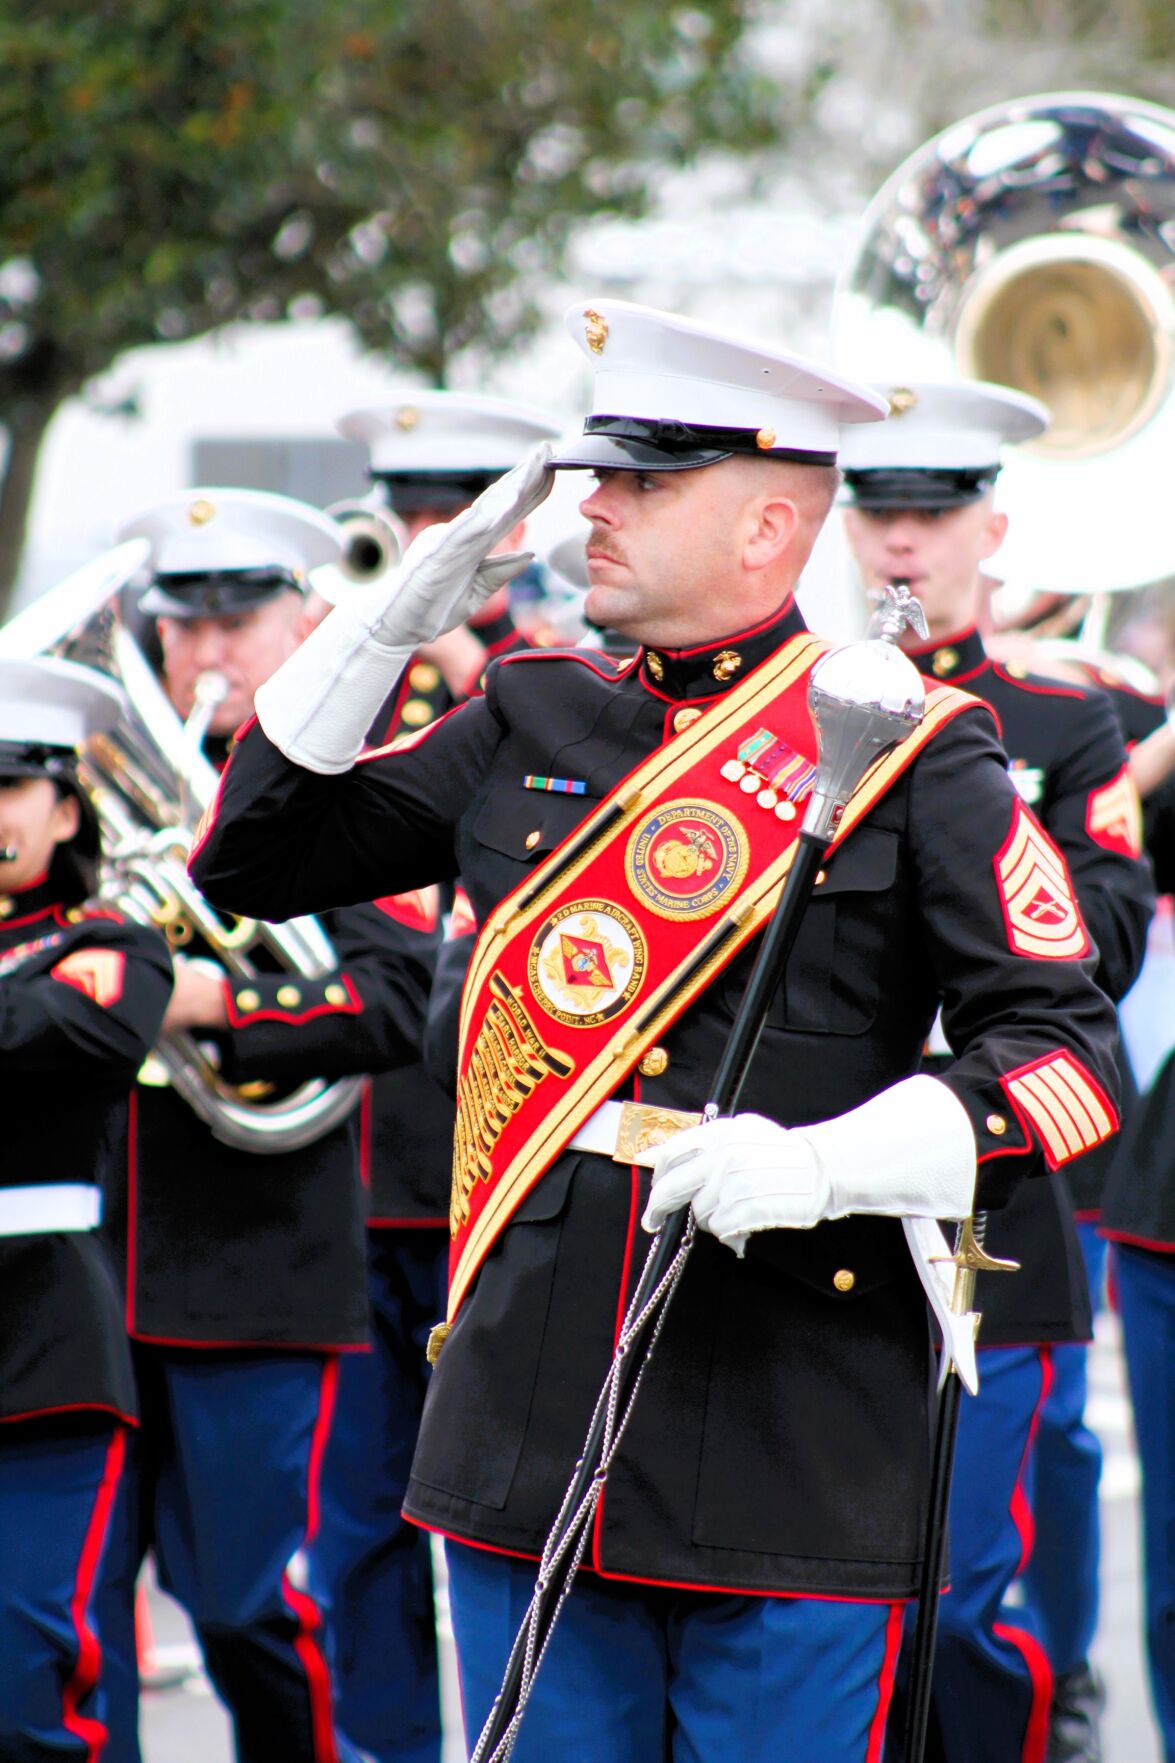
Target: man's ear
[[994, 533], [773, 525]]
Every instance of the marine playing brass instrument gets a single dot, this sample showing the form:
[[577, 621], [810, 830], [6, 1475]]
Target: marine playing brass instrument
[[1033, 244], [149, 781]]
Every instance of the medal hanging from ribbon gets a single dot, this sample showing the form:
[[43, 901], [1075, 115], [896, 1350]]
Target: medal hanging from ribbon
[[778, 777]]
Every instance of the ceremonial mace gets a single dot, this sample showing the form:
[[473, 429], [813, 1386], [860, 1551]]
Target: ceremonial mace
[[865, 698]]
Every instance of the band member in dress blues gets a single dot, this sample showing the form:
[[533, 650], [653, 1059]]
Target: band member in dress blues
[[760, 1530], [431, 453], [923, 511], [82, 996], [245, 1268]]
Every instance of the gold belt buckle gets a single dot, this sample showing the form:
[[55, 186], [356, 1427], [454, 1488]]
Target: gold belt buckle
[[643, 1129]]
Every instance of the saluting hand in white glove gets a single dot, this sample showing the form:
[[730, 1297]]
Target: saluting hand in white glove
[[320, 703], [907, 1152]]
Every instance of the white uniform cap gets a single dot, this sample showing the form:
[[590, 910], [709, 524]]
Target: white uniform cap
[[265, 542], [670, 394], [942, 444], [427, 434], [45, 703]]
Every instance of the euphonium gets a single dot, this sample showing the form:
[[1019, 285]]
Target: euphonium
[[1033, 244], [150, 781]]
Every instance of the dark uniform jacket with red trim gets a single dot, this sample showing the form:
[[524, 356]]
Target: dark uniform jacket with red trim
[[82, 995], [1139, 1201], [1067, 759], [228, 1247], [781, 1437]]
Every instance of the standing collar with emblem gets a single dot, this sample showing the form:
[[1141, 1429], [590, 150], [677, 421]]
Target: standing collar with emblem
[[21, 905], [952, 658], [706, 671]]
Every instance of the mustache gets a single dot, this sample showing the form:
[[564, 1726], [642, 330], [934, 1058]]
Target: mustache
[[598, 542]]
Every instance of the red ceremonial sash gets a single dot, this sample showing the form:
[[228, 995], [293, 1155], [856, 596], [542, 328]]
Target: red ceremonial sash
[[584, 965]]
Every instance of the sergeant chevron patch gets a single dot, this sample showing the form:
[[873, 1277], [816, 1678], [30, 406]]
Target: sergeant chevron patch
[[1059, 1101], [1040, 910], [96, 972], [1113, 817]]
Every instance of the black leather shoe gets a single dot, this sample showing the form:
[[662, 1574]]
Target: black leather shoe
[[1075, 1717]]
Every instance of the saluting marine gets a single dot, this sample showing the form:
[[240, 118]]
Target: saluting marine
[[762, 1523], [244, 1264], [922, 510], [82, 996]]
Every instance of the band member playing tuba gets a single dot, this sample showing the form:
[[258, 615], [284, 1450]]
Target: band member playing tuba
[[760, 1529], [82, 995], [244, 1268]]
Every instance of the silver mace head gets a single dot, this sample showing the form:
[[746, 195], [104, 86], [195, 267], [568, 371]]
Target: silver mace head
[[865, 697]]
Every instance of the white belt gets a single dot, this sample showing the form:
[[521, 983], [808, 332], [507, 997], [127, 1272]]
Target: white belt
[[631, 1132], [63, 1205]]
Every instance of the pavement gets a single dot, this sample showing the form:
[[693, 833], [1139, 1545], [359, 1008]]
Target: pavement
[[186, 1724]]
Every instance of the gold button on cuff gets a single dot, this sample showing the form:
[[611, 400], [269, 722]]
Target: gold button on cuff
[[844, 1280], [532, 839], [335, 994], [248, 1000], [416, 713], [995, 1123], [655, 1061], [288, 996], [424, 677]]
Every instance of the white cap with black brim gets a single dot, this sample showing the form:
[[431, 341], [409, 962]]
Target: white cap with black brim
[[672, 395]]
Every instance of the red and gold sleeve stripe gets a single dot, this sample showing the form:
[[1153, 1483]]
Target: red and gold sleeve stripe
[[1062, 1106]]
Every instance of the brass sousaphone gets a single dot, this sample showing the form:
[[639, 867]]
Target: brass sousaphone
[[1033, 245]]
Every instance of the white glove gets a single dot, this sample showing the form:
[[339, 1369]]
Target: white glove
[[907, 1152], [320, 703]]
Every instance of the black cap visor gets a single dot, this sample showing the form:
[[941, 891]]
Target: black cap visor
[[632, 443], [221, 594], [927, 488], [421, 492], [36, 759]]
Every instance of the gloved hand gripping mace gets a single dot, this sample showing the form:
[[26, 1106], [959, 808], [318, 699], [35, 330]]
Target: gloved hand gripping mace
[[865, 699]]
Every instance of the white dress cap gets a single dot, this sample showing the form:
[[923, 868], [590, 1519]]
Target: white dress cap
[[211, 531], [945, 426], [50, 703], [658, 370], [438, 432]]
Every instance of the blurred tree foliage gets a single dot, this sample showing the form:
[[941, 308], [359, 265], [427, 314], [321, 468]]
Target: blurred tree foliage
[[411, 165]]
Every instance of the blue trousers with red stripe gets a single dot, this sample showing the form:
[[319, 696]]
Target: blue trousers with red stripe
[[370, 1570], [58, 1482], [640, 1674], [1060, 1582], [226, 1495], [992, 1683], [1146, 1294]]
